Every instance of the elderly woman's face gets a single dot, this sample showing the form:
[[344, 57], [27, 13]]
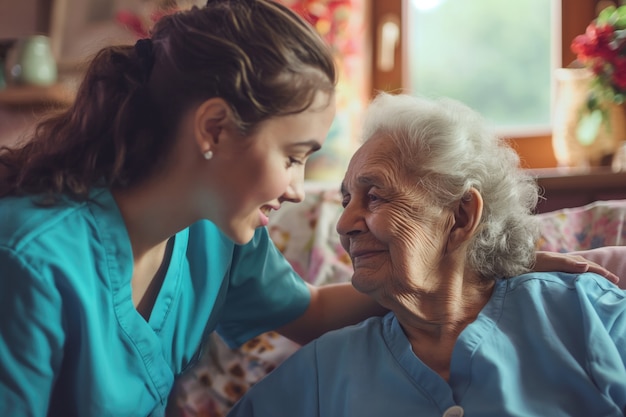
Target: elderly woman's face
[[394, 237]]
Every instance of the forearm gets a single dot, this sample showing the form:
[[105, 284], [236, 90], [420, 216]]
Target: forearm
[[332, 307]]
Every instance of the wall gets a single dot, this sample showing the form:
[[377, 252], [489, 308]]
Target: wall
[[535, 151], [19, 18]]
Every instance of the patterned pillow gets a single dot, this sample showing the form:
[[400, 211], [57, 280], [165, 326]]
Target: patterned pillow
[[222, 375], [602, 223]]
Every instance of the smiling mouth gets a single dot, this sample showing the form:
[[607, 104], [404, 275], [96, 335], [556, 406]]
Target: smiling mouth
[[267, 209]]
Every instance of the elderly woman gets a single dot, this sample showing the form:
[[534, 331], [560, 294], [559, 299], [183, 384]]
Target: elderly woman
[[438, 223]]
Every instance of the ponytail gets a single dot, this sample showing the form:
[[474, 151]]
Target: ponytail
[[109, 136]]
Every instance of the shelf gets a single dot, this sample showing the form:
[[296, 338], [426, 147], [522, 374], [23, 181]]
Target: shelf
[[572, 187], [565, 179], [23, 96]]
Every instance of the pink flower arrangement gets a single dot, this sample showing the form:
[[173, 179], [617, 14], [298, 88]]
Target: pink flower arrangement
[[602, 49]]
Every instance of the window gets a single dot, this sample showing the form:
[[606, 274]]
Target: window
[[457, 57], [493, 55]]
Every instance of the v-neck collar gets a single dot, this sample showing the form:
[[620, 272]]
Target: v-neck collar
[[117, 246], [425, 379], [119, 260]]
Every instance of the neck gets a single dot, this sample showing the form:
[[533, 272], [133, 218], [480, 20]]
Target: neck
[[150, 216], [433, 321], [151, 220]]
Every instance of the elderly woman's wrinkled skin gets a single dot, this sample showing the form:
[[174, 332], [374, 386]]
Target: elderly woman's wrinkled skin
[[409, 256]]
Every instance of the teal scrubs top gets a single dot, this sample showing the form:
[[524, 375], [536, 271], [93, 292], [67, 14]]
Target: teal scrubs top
[[71, 341], [544, 345]]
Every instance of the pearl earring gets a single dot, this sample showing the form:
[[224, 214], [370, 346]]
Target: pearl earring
[[208, 154]]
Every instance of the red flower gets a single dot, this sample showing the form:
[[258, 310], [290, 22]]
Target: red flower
[[597, 42]]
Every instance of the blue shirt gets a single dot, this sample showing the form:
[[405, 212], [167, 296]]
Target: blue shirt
[[544, 345], [71, 340]]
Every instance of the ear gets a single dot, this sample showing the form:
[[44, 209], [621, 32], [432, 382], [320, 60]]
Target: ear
[[467, 217], [210, 121]]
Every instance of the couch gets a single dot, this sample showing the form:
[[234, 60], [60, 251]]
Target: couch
[[306, 235]]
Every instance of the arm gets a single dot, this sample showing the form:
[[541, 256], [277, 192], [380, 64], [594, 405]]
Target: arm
[[603, 314], [575, 262], [339, 305], [31, 338], [331, 307]]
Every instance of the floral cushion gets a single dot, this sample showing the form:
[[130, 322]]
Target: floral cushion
[[306, 235], [602, 223], [223, 375]]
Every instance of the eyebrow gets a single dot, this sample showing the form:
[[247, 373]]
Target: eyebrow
[[364, 180]]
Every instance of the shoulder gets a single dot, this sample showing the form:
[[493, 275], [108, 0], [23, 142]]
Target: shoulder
[[336, 346], [25, 221], [352, 340], [61, 236], [560, 281], [337, 349], [562, 291]]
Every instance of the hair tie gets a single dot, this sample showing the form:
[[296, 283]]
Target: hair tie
[[143, 48]]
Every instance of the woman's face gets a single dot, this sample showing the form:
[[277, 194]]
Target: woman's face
[[258, 173], [394, 238]]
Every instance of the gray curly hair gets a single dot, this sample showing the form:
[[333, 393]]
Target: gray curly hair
[[448, 148]]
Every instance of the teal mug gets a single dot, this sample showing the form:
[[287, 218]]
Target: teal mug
[[31, 62]]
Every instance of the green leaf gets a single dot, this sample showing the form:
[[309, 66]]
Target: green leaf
[[588, 127], [620, 14], [605, 15]]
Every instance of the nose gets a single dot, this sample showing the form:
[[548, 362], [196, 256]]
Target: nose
[[295, 191], [351, 221]]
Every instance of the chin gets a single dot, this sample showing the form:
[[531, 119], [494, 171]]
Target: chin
[[364, 285]]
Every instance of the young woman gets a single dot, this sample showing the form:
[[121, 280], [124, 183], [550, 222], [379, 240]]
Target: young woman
[[133, 223]]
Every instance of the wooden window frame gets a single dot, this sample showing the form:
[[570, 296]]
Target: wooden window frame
[[535, 151]]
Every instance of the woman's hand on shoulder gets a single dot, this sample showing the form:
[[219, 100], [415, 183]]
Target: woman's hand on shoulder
[[564, 262]]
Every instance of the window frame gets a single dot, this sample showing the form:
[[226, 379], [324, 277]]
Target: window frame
[[535, 151]]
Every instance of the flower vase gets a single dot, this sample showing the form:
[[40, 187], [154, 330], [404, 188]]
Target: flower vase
[[573, 86]]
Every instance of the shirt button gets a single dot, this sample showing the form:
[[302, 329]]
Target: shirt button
[[454, 411]]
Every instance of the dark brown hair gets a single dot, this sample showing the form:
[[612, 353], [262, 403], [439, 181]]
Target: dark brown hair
[[257, 55]]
